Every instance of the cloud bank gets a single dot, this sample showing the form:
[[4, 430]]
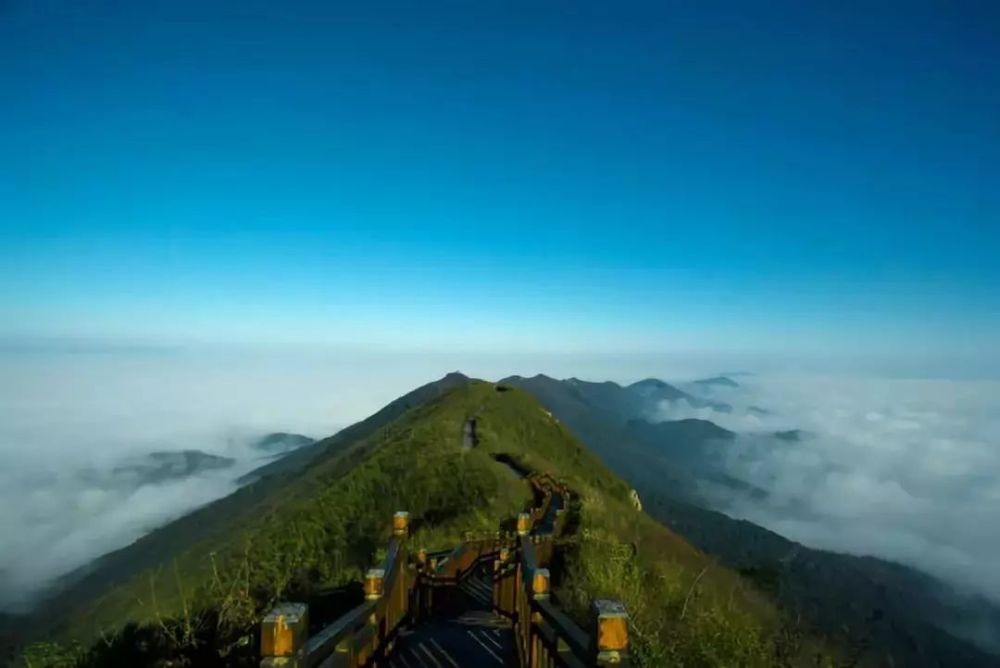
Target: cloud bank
[[907, 470], [67, 421]]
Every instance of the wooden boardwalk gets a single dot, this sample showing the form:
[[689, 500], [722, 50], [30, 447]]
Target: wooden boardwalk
[[484, 603], [475, 637]]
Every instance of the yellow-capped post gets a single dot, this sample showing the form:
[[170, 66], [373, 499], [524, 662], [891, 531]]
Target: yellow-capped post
[[374, 583], [401, 524], [283, 636], [611, 632], [523, 524]]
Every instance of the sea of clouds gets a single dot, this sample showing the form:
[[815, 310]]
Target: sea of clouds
[[902, 469], [907, 470], [67, 420]]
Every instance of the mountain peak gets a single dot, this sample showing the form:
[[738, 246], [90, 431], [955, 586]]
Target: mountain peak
[[650, 382], [716, 381], [518, 379], [687, 429]]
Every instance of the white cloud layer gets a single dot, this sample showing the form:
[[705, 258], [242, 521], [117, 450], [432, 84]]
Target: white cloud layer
[[907, 470], [67, 420]]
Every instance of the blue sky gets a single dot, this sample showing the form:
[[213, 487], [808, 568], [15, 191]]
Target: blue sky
[[504, 176]]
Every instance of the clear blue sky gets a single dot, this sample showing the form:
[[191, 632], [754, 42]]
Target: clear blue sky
[[534, 176]]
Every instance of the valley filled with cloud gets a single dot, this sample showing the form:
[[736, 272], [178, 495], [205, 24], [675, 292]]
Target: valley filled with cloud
[[906, 470], [79, 433]]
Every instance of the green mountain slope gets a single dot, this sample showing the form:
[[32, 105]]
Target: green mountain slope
[[301, 457], [690, 430], [610, 419], [237, 509], [158, 467], [197, 587]]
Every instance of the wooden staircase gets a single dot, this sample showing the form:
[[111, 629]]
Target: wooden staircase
[[487, 602]]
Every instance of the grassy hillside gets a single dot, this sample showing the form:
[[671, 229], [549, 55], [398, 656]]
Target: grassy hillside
[[198, 596], [352, 434], [238, 509], [686, 609], [605, 428]]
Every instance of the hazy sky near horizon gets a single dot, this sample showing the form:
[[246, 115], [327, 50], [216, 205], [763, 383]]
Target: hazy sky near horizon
[[730, 178]]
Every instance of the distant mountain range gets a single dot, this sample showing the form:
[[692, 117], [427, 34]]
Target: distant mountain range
[[621, 424], [717, 381], [165, 466], [158, 467], [281, 443], [880, 608]]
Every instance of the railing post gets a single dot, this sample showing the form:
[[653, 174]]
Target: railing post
[[420, 580], [539, 591], [610, 632], [498, 579], [540, 583], [401, 524], [504, 583], [399, 605], [374, 589], [283, 633], [523, 524], [374, 581]]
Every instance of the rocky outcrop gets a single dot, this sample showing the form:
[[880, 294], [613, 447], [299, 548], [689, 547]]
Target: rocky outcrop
[[634, 497]]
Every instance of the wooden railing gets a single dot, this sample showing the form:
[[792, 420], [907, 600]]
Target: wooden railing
[[545, 635], [410, 588], [363, 636]]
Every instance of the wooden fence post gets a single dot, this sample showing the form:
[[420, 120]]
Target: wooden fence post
[[498, 583], [540, 583], [401, 524], [540, 586], [374, 581], [523, 524], [610, 632], [283, 634]]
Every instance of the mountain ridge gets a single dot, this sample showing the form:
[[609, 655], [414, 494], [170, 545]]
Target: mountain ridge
[[716, 381], [297, 532]]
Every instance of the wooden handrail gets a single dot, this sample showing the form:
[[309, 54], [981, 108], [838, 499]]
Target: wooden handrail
[[577, 642], [546, 636], [325, 643], [403, 590], [357, 637]]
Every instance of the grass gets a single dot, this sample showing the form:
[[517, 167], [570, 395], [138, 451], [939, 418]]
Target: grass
[[316, 531]]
